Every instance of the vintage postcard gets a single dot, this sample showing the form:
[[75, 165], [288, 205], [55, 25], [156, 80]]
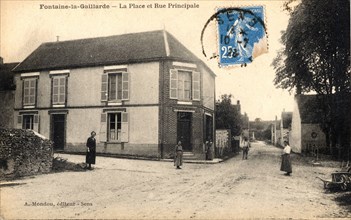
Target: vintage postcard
[[164, 109]]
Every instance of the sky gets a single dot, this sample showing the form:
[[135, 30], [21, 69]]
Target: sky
[[25, 25]]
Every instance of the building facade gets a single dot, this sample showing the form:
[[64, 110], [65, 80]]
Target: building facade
[[140, 93], [306, 135], [7, 94]]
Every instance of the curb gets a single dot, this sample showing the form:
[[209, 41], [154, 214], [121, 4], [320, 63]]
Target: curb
[[214, 161]]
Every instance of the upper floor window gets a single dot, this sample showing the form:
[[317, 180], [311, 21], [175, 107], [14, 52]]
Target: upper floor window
[[115, 86], [59, 90], [29, 91], [59, 80], [184, 85]]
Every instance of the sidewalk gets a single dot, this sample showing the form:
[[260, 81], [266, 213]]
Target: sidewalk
[[82, 158]]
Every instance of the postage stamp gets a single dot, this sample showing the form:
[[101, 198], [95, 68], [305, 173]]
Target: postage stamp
[[241, 35]]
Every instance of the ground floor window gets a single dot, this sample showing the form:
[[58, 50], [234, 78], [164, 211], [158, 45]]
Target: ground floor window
[[28, 122], [114, 126]]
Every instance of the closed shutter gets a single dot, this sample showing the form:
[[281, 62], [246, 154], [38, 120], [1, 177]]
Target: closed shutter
[[104, 87], [19, 121], [173, 88], [125, 128], [55, 90], [125, 86], [103, 128], [196, 85], [36, 123]]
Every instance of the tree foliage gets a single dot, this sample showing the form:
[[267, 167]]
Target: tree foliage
[[316, 56], [227, 116]]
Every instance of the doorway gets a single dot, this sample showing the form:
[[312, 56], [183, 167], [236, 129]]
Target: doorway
[[58, 125], [184, 130]]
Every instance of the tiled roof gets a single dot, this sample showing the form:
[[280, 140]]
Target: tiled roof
[[112, 50], [6, 76]]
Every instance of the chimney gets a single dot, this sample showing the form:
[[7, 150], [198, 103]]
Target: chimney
[[57, 38], [1, 60], [238, 106]]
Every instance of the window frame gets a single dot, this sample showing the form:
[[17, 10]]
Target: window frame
[[59, 74], [29, 80], [195, 77]]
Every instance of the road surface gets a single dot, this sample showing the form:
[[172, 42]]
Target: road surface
[[139, 189]]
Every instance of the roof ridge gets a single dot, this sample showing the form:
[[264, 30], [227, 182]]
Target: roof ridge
[[101, 37]]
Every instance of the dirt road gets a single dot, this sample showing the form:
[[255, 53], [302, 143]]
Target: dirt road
[[234, 189]]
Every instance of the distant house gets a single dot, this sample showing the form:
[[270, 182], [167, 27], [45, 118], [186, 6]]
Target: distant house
[[140, 92], [7, 94], [306, 134]]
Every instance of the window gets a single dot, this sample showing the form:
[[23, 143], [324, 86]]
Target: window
[[29, 91], [115, 86], [28, 122], [184, 85], [59, 90], [116, 125]]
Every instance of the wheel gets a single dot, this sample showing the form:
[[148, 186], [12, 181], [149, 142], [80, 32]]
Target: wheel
[[344, 182]]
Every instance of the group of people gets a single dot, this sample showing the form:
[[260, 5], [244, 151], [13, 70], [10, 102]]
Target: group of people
[[178, 153]]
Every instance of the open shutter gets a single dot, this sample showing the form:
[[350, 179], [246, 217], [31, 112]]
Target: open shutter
[[103, 128], [173, 91], [19, 121], [125, 127], [196, 85], [104, 86], [125, 86], [36, 123]]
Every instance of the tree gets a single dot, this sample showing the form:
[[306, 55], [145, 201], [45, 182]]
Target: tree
[[316, 57], [228, 117]]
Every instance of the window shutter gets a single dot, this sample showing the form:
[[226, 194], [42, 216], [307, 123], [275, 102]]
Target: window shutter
[[55, 90], [104, 86], [36, 123], [124, 128], [19, 121], [173, 88], [103, 128], [125, 86], [196, 85]]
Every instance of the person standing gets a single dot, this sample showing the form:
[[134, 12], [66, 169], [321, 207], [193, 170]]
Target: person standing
[[209, 153], [178, 158], [91, 150], [246, 145], [286, 161]]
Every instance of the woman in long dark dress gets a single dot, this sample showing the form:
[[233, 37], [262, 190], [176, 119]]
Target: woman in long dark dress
[[286, 161], [91, 150], [178, 157]]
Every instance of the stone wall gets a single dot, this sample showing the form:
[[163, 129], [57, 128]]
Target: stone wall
[[7, 100], [24, 153]]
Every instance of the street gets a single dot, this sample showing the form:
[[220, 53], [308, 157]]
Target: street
[[122, 188]]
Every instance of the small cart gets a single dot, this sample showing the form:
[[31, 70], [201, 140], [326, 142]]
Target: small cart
[[340, 180]]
